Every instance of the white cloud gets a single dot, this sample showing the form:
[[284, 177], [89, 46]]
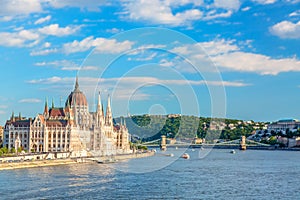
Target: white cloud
[[19, 39], [66, 65], [55, 30], [295, 14], [30, 101], [90, 5], [286, 29], [19, 7], [264, 1], [133, 81], [257, 63], [51, 80], [43, 52], [228, 5], [47, 44], [43, 19], [214, 14], [144, 11], [101, 45], [246, 8], [229, 56], [114, 30]]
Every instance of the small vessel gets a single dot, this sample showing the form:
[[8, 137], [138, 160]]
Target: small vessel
[[232, 151], [193, 149], [202, 148], [176, 147], [185, 156], [110, 160]]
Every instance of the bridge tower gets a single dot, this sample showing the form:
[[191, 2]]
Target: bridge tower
[[243, 143], [163, 143]]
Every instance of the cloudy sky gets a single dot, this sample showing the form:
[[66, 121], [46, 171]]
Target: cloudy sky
[[223, 58]]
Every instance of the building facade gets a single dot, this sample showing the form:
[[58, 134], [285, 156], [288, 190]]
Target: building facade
[[283, 125], [71, 128]]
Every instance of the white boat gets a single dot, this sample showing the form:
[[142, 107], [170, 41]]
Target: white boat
[[232, 151], [185, 156]]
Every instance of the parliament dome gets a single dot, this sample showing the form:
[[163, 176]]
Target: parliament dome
[[76, 97]]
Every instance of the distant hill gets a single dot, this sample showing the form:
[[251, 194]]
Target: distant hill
[[151, 127]]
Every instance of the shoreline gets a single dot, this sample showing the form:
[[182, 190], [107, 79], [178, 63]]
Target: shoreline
[[198, 146], [68, 161]]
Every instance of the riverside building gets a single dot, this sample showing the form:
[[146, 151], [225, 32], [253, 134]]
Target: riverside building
[[71, 128]]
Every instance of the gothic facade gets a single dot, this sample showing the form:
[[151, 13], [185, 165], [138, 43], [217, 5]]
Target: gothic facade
[[71, 128]]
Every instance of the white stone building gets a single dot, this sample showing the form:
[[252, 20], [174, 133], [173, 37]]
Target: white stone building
[[69, 129]]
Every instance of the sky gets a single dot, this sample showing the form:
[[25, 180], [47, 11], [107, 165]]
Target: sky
[[213, 58]]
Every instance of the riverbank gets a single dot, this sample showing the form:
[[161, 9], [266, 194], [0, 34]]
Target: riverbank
[[55, 162], [197, 146]]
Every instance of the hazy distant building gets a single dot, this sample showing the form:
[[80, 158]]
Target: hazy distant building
[[282, 125], [1, 135], [69, 129]]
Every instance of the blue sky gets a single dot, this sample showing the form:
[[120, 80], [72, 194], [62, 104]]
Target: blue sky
[[220, 58]]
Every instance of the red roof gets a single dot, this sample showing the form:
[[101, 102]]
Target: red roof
[[57, 123], [57, 112]]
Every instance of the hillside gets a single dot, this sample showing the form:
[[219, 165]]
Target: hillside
[[151, 127]]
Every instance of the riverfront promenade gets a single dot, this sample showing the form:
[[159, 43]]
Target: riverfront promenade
[[67, 161]]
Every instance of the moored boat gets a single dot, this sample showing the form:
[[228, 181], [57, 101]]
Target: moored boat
[[185, 156]]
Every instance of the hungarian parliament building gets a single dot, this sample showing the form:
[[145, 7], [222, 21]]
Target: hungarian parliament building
[[69, 129]]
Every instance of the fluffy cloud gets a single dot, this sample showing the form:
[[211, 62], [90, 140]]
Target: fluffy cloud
[[43, 52], [66, 65], [228, 5], [286, 29], [264, 1], [90, 5], [55, 30], [142, 10], [166, 11], [229, 56], [102, 45], [19, 39], [43, 19], [29, 101], [19, 7]]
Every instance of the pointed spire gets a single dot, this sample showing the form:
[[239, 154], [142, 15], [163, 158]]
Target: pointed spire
[[76, 84], [124, 122], [99, 108], [108, 116], [52, 103], [46, 106], [12, 115], [68, 104], [20, 116]]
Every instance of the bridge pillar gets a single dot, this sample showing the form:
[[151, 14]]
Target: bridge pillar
[[163, 143], [243, 143]]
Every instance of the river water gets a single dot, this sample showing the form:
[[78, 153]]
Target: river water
[[216, 174]]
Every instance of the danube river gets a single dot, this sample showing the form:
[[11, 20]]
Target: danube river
[[215, 174]]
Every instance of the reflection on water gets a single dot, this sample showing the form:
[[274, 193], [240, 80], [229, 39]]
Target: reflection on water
[[244, 175]]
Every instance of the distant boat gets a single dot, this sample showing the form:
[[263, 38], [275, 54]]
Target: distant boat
[[193, 149], [176, 147], [202, 148], [185, 156], [232, 151], [110, 160]]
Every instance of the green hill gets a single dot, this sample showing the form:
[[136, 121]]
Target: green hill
[[151, 127]]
